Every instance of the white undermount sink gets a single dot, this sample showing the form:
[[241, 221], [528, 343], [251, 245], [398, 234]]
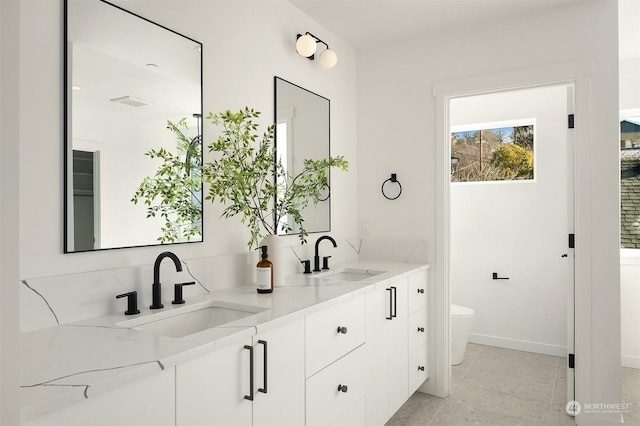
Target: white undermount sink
[[182, 322], [347, 274]]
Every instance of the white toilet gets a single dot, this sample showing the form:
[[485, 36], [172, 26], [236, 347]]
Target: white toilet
[[461, 321]]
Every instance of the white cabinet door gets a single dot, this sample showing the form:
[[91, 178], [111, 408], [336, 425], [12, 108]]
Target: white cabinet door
[[149, 401], [377, 363], [279, 394], [211, 389], [387, 350], [397, 338]]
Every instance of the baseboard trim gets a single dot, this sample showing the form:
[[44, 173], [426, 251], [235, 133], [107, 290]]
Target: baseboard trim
[[519, 345], [630, 361]]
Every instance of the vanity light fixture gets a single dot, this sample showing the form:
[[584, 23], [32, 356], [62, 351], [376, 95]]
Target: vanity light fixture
[[307, 45], [131, 101]]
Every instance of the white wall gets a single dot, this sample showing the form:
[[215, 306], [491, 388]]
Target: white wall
[[518, 229], [245, 44], [397, 133], [9, 219]]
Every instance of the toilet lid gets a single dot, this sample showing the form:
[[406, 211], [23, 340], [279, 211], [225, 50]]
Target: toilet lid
[[461, 311]]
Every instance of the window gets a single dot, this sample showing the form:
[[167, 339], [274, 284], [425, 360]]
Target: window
[[492, 153], [630, 183]]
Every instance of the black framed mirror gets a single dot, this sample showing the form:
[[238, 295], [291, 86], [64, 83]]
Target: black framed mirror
[[132, 87], [302, 131]]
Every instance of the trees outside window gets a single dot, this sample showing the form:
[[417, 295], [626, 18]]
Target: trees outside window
[[493, 154]]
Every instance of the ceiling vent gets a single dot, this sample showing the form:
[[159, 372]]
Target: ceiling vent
[[131, 101]]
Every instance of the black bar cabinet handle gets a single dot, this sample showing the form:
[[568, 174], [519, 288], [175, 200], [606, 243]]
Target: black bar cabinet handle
[[250, 396], [395, 302], [390, 317], [264, 366]]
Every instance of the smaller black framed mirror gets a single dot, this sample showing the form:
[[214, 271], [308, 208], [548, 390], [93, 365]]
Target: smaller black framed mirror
[[302, 131]]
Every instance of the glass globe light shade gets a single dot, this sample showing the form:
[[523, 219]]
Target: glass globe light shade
[[306, 45], [328, 59]]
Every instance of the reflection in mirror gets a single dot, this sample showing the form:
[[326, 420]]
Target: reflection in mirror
[[302, 126], [127, 80]]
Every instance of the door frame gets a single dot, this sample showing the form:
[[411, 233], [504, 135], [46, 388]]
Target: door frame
[[577, 74]]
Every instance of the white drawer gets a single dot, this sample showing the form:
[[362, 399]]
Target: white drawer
[[324, 342], [354, 416], [418, 290], [326, 398], [417, 329], [418, 368]]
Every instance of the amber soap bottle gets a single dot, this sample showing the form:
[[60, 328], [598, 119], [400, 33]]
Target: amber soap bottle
[[264, 273]]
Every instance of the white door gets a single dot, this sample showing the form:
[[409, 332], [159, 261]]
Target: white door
[[517, 230], [279, 379]]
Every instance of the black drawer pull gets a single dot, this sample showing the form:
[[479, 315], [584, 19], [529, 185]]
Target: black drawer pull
[[342, 330], [421, 290], [343, 388], [395, 302], [420, 329], [390, 317], [264, 366], [421, 368], [250, 396]]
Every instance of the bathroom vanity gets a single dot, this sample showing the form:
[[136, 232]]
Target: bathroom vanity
[[348, 346]]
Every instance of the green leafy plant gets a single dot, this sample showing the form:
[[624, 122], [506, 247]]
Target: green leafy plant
[[514, 160], [175, 192], [244, 178]]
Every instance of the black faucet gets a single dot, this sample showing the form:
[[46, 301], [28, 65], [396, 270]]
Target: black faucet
[[316, 257], [156, 287]]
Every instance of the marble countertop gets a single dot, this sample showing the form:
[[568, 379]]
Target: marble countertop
[[66, 364]]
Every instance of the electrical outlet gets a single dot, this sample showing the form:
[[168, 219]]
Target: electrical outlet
[[365, 227]]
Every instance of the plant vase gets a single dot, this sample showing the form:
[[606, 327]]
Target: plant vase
[[275, 252]]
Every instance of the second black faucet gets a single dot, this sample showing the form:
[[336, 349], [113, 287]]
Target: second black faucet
[[316, 257]]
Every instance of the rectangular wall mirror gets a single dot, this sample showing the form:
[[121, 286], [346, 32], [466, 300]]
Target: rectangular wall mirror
[[126, 80], [302, 128]]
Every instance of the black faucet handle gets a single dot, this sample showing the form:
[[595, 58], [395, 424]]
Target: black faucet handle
[[132, 302], [177, 292], [307, 266], [325, 262]]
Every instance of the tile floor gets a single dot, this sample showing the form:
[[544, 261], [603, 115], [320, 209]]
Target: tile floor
[[495, 386]]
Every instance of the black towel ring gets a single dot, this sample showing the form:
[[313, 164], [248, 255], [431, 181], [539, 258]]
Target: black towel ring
[[392, 179]]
